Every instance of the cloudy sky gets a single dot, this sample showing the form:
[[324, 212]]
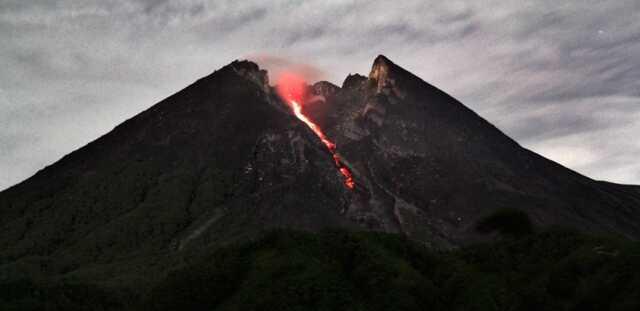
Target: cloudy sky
[[561, 78]]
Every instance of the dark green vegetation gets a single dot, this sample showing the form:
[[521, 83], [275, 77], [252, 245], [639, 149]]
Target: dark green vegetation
[[506, 221], [290, 270]]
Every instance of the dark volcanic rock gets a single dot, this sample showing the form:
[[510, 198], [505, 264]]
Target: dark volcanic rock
[[224, 159], [431, 168], [353, 81], [218, 161]]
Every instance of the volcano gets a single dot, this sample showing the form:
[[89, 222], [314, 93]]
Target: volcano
[[229, 157]]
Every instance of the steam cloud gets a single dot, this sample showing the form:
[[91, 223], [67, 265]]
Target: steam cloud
[[277, 65]]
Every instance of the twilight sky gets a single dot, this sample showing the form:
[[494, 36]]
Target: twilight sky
[[561, 77]]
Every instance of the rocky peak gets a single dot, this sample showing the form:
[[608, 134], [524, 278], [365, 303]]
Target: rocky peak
[[380, 70], [384, 76], [252, 72], [325, 88], [353, 81]]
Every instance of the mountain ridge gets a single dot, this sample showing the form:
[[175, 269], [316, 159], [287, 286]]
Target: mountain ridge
[[225, 159]]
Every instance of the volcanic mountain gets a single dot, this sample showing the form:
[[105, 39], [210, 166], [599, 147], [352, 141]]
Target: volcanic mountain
[[227, 158]]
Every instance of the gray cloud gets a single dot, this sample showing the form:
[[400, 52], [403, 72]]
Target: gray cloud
[[561, 78]]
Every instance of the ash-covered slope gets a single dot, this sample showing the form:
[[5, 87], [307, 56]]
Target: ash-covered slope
[[430, 167], [225, 158], [218, 161]]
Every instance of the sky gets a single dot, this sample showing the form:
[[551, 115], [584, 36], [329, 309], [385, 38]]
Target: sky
[[560, 77]]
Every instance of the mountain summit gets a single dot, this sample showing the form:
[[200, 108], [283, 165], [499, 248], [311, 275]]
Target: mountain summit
[[226, 158]]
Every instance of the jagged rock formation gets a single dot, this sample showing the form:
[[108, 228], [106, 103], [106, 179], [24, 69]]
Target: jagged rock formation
[[430, 167], [224, 159]]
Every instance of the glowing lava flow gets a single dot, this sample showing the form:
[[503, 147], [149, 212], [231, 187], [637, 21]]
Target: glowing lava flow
[[297, 110], [292, 89]]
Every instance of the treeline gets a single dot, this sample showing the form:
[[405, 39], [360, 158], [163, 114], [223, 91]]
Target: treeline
[[555, 269]]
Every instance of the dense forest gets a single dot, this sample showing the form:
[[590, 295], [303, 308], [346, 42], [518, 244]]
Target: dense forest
[[551, 269]]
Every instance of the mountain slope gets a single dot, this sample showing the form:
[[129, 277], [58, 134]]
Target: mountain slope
[[223, 154], [225, 158], [439, 167]]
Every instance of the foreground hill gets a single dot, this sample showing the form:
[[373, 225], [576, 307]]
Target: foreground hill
[[286, 270]]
